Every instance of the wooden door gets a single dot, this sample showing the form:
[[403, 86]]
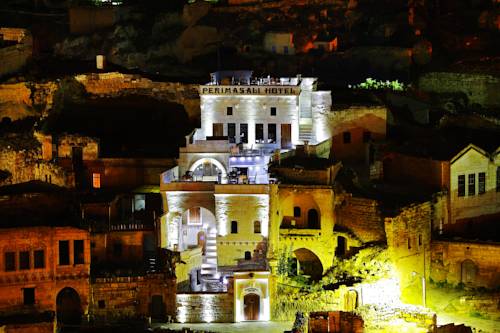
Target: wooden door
[[252, 306], [286, 136], [218, 129]]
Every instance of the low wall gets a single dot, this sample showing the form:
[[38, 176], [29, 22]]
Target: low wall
[[205, 308]]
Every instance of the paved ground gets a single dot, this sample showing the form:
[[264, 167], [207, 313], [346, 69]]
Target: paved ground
[[247, 327]]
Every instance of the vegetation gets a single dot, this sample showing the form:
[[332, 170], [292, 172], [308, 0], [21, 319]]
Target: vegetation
[[372, 84]]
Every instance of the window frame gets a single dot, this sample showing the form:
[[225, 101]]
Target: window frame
[[78, 258], [471, 184], [60, 255], [36, 259], [13, 267], [481, 183], [24, 260], [229, 110], [461, 185], [234, 227], [273, 111]]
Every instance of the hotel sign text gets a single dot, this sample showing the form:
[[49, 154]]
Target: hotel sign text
[[249, 90]]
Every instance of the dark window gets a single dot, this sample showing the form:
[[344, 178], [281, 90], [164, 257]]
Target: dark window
[[481, 179], [117, 249], [419, 240], [498, 179], [256, 227], [10, 261], [273, 111], [347, 137], [409, 244], [461, 185], [28, 296], [39, 257], [367, 136], [101, 303], [63, 252], [244, 133], [78, 256], [248, 255], [24, 260], [271, 133], [472, 184], [234, 227], [229, 110], [231, 132], [296, 211], [259, 133]]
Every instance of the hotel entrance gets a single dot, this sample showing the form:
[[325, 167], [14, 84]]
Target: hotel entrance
[[252, 306]]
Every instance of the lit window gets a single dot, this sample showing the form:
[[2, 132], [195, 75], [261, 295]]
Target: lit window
[[96, 180], [461, 185], [347, 137], [472, 184], [481, 179], [234, 227]]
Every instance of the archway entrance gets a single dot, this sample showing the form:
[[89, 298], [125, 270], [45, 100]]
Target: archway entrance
[[68, 308], [208, 170], [469, 271], [309, 264], [251, 306]]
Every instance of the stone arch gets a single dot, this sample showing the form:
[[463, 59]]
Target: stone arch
[[468, 271], [69, 309], [196, 224], [309, 263], [218, 166]]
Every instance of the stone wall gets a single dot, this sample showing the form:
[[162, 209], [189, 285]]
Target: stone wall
[[408, 240], [361, 217], [116, 84], [478, 88], [20, 100], [65, 144], [131, 297], [14, 57], [190, 259], [449, 263], [48, 327], [25, 166], [307, 176], [206, 307]]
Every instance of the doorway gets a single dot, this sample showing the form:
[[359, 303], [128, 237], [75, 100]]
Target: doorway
[[68, 307], [286, 136], [252, 306], [157, 307]]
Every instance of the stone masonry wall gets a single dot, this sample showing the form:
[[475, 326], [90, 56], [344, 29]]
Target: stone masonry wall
[[479, 88], [113, 84], [130, 297], [361, 217], [207, 307]]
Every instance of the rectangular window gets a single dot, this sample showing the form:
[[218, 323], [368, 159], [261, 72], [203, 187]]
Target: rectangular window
[[39, 256], [273, 111], [296, 211], [229, 110], [28, 296], [498, 179], [481, 182], [461, 185], [367, 136], [24, 260], [231, 132], [472, 184], [78, 255], [244, 133], [10, 261], [347, 137], [234, 227], [64, 252], [259, 133], [271, 133], [96, 180], [256, 227]]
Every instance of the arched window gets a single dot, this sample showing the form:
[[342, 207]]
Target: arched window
[[313, 219], [234, 227], [256, 227]]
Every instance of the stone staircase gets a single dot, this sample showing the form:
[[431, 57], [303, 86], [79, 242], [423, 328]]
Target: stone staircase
[[305, 132], [209, 264]]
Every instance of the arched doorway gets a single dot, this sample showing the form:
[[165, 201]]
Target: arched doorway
[[251, 306], [469, 271], [309, 264], [313, 219], [68, 307], [208, 170]]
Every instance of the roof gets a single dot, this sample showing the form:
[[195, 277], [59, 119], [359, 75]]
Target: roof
[[468, 148]]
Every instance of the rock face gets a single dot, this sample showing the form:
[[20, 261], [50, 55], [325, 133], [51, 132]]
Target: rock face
[[21, 100], [196, 41]]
